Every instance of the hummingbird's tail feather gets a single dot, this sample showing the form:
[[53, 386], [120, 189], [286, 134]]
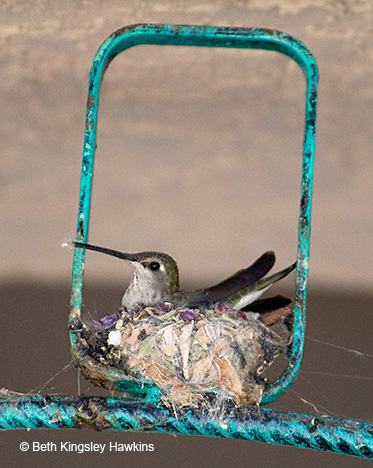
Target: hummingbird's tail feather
[[254, 291], [265, 282], [235, 283], [268, 304]]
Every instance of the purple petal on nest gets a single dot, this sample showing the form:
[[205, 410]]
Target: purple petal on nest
[[188, 314], [165, 306], [106, 321], [242, 314], [220, 308], [97, 324]]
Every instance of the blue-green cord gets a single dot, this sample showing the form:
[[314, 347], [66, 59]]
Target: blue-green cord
[[259, 424], [207, 36]]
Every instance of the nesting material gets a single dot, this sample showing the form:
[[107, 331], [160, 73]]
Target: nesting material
[[189, 354]]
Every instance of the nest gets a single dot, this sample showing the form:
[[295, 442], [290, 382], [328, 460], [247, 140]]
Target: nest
[[191, 355]]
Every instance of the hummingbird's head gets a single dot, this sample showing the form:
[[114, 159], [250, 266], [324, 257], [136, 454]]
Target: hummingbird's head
[[155, 271], [155, 275]]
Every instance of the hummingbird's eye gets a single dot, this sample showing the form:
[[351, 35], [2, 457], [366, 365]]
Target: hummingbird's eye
[[154, 266]]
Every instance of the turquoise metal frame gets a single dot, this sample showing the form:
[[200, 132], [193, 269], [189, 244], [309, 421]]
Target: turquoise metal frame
[[207, 36]]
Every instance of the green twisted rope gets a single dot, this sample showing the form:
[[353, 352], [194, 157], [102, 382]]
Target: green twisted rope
[[249, 423]]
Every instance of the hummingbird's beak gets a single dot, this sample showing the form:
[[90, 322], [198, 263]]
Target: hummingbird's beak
[[114, 253]]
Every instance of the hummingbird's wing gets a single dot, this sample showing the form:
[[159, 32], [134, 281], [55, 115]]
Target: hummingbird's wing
[[235, 283]]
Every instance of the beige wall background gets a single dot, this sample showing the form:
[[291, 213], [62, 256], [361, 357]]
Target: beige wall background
[[199, 150]]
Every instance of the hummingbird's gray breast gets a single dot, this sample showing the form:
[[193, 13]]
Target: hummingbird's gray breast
[[137, 295], [146, 287]]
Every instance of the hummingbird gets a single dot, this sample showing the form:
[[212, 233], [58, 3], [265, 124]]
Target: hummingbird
[[155, 278]]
